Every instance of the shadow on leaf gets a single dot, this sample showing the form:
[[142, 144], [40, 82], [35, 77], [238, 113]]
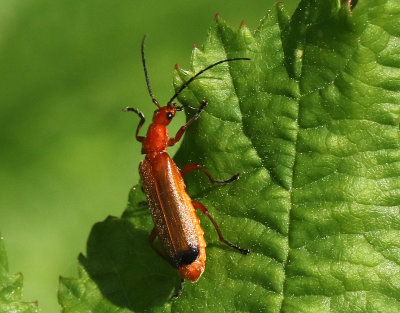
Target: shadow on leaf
[[125, 268]]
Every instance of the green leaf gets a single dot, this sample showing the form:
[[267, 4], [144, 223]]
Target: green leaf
[[11, 288], [312, 125]]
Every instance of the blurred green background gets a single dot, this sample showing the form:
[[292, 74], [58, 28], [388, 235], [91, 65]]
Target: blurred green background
[[68, 157]]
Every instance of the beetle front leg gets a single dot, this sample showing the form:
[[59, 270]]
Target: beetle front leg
[[181, 131], [142, 120]]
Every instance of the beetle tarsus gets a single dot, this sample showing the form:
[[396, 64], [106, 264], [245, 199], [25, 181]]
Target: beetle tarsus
[[228, 181], [202, 106], [129, 109], [242, 251]]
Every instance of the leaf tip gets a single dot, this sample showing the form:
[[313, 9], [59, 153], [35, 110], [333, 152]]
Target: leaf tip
[[194, 46], [242, 23], [176, 66], [216, 16]]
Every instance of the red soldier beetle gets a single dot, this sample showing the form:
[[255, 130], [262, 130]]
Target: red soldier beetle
[[176, 223]]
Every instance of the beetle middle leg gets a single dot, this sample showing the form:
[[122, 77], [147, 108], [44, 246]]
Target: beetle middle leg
[[142, 120], [153, 237], [194, 166], [199, 206]]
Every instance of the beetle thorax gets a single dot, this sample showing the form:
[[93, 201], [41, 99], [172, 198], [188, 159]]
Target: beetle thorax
[[157, 135], [156, 139]]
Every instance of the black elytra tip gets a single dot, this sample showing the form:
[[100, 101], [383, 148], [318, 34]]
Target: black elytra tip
[[186, 257]]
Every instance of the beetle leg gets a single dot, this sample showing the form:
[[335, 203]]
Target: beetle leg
[[142, 120], [179, 290], [181, 131], [194, 166], [199, 206], [152, 237]]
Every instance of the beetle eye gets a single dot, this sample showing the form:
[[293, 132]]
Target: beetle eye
[[169, 116]]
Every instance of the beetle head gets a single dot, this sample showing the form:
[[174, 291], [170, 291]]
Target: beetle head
[[164, 115]]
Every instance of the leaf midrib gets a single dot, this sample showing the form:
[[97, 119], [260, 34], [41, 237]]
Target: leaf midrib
[[295, 142], [299, 128]]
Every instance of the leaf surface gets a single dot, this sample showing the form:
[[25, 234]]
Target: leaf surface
[[312, 125]]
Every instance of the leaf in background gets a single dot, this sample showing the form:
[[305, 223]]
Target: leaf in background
[[11, 288], [312, 124]]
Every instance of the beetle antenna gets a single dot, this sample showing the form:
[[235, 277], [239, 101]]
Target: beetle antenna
[[201, 72], [147, 76]]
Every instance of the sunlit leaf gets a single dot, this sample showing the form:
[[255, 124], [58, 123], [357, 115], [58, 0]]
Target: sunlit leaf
[[312, 125]]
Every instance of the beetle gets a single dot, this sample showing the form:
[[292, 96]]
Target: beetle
[[176, 223]]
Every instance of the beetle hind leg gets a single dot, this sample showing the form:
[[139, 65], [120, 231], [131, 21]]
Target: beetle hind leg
[[153, 237], [198, 205], [179, 290], [194, 166]]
